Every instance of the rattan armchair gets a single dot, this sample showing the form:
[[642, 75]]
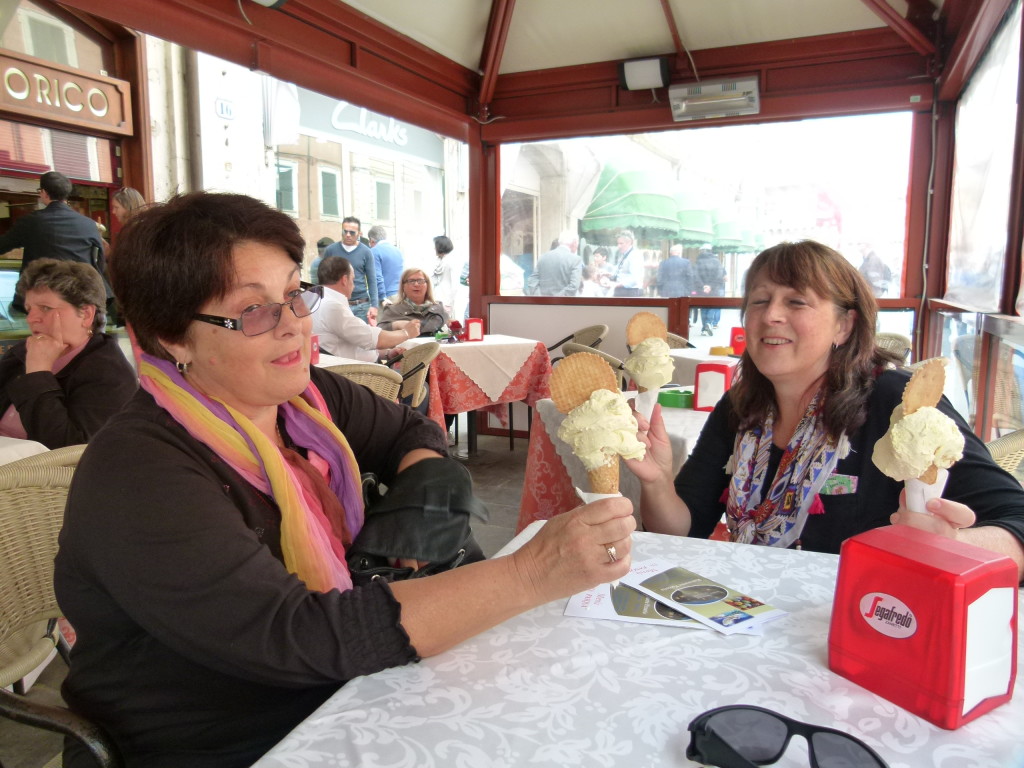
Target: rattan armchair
[[895, 342], [675, 341], [32, 500], [379, 379], [1008, 450], [588, 336], [415, 365], [67, 456]]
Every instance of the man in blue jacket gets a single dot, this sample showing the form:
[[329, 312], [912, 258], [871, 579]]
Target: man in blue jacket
[[364, 298], [55, 232], [387, 260]]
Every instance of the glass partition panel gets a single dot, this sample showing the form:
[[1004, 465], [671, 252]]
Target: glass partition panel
[[646, 207]]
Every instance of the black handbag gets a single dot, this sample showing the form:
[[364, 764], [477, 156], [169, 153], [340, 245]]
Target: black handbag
[[424, 516]]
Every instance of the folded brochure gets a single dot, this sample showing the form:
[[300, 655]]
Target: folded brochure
[[625, 604], [712, 604]]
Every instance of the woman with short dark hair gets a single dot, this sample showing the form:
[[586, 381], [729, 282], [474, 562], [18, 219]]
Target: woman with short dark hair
[[202, 560], [60, 385]]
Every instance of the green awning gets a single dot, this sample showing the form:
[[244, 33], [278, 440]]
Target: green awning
[[696, 225], [639, 199]]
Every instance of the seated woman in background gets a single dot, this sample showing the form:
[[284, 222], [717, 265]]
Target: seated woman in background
[[415, 301], [61, 384], [125, 203], [202, 558], [814, 393]]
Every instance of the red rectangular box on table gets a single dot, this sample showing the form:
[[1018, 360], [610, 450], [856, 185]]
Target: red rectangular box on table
[[474, 329], [314, 349], [710, 381], [926, 622]]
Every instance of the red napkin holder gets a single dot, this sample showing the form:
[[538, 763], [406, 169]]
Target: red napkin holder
[[314, 349], [710, 382], [926, 622], [738, 340], [474, 329]]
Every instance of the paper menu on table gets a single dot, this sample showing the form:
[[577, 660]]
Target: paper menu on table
[[712, 604], [624, 603]]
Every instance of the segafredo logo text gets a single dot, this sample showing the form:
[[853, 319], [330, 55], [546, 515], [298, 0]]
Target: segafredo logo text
[[888, 615]]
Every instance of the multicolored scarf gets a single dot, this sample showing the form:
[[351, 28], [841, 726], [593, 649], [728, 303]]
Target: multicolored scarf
[[311, 544], [778, 519]]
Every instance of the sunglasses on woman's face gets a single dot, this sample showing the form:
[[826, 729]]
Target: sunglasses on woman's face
[[742, 736], [266, 317]]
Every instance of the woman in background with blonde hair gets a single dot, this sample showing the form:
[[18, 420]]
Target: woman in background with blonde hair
[[125, 202]]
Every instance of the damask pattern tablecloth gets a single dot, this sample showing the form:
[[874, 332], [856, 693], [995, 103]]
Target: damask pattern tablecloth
[[453, 390], [545, 690]]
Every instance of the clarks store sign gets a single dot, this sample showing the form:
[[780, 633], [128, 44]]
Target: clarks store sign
[[38, 90]]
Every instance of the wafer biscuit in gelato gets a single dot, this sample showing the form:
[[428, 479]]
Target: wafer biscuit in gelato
[[599, 426], [921, 442], [649, 363]]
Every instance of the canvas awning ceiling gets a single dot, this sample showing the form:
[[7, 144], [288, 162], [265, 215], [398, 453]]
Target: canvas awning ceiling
[[635, 199]]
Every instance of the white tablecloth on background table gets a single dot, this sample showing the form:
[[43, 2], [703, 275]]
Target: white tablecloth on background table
[[12, 449], [326, 361], [544, 690], [686, 361], [491, 363]]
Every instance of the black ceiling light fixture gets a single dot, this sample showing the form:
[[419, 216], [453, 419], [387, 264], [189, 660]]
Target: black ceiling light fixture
[[641, 74]]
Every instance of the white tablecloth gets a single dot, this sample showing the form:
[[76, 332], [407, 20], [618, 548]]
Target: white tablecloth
[[491, 363], [326, 361], [686, 361], [545, 690], [12, 449], [683, 426]]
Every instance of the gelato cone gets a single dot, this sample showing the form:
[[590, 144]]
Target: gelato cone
[[605, 479], [920, 491], [921, 442], [649, 364], [599, 426]]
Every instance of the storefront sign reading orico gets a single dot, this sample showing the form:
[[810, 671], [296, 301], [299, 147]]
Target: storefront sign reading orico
[[36, 89]]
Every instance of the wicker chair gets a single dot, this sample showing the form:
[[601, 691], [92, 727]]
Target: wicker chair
[[1008, 450], [31, 514], [67, 456], [589, 336], [415, 366], [675, 341], [379, 379], [895, 342], [571, 348]]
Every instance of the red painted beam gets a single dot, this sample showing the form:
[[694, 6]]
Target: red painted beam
[[906, 29]]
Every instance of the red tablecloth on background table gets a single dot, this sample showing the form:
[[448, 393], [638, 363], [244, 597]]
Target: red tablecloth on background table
[[548, 491], [452, 391]]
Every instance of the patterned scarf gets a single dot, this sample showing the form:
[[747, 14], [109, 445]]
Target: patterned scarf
[[310, 542], [810, 458]]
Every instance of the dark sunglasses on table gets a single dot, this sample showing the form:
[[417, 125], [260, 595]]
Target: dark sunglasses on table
[[742, 736], [265, 317]]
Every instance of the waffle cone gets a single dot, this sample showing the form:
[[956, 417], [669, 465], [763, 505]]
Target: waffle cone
[[644, 325], [930, 475], [577, 376], [925, 387], [605, 479]]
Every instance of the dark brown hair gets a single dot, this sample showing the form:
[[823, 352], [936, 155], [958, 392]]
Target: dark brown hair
[[810, 266], [173, 257]]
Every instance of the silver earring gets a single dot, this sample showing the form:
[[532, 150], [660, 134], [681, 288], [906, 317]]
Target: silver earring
[[182, 368]]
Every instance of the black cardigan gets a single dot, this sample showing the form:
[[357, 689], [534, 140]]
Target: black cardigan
[[69, 407], [195, 645], [976, 480]]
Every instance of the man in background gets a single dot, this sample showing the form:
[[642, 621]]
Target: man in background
[[387, 260], [559, 272], [55, 232], [364, 299], [321, 246], [674, 274], [343, 334], [628, 274], [710, 282]]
